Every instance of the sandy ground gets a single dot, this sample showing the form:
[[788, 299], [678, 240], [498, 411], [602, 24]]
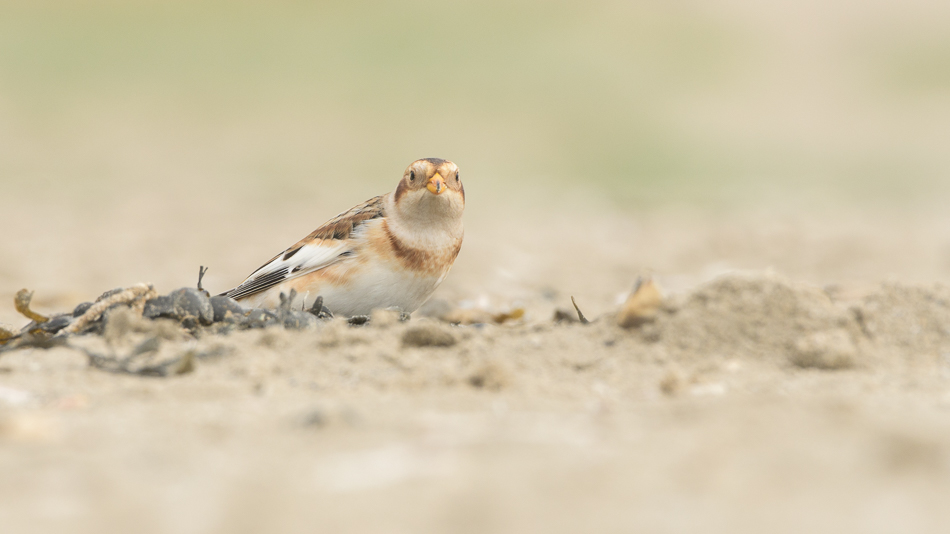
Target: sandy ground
[[797, 379], [780, 168]]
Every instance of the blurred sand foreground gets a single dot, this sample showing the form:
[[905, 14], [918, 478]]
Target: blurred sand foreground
[[753, 403]]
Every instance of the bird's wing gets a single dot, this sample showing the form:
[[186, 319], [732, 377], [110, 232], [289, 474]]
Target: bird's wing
[[325, 246]]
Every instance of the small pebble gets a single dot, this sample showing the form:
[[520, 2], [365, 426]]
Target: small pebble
[[192, 307], [358, 320], [159, 307], [56, 324], [81, 309], [227, 310], [428, 335], [831, 350], [258, 318], [565, 316], [186, 305]]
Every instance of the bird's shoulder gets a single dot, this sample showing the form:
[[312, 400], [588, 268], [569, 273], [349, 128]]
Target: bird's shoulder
[[343, 225]]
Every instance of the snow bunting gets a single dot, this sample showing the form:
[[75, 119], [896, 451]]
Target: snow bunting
[[391, 251]]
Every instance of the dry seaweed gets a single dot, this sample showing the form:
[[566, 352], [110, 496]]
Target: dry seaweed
[[38, 333], [6, 335], [182, 365], [22, 304], [34, 340], [135, 297], [141, 360]]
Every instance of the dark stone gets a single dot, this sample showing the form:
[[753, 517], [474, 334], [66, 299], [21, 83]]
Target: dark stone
[[159, 307], [227, 310], [192, 307], [428, 335], [186, 305], [56, 324], [358, 320], [95, 327], [81, 309], [564, 316], [258, 318]]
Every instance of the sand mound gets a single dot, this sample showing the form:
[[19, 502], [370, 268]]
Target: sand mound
[[771, 318], [907, 319], [760, 317]]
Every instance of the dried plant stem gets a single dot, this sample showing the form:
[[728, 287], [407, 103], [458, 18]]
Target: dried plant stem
[[580, 314]]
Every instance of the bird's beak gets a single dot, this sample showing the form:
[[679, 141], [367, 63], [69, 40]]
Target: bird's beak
[[436, 184]]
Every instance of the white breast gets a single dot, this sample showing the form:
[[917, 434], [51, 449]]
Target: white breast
[[375, 287]]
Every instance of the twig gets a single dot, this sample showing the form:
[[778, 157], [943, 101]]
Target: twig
[[202, 270], [580, 315]]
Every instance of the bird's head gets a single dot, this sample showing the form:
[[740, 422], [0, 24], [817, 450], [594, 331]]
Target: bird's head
[[430, 189]]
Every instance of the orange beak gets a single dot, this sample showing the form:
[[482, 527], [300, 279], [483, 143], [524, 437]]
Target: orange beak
[[436, 184]]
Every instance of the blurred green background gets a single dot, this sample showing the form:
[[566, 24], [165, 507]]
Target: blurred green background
[[140, 139], [647, 103]]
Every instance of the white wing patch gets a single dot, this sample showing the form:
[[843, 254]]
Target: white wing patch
[[308, 258]]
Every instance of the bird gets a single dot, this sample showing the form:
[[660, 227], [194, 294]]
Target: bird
[[390, 252]]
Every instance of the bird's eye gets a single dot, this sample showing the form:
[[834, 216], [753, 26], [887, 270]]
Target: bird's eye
[[412, 176], [456, 176]]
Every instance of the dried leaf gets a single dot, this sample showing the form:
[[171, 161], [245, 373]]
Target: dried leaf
[[642, 306], [513, 315]]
